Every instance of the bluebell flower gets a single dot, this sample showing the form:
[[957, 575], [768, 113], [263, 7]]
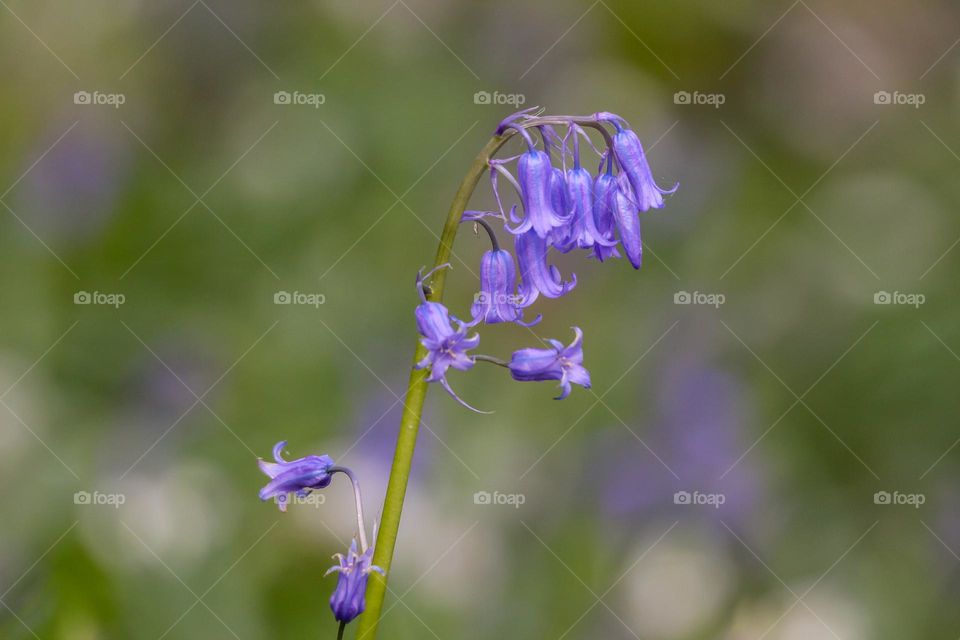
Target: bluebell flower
[[583, 230], [633, 162], [628, 223], [446, 346], [498, 300], [561, 238], [536, 276], [538, 182], [558, 363], [347, 601], [558, 194], [557, 237], [604, 192], [298, 476]]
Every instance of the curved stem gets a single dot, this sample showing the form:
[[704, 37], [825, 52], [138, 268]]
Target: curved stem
[[582, 121], [413, 403], [489, 230], [497, 361], [361, 528]]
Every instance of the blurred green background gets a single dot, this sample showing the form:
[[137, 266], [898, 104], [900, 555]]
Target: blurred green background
[[806, 201]]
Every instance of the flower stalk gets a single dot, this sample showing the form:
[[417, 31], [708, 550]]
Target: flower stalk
[[358, 498], [562, 210], [413, 402]]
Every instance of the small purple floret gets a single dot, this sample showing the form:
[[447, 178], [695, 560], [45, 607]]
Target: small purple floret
[[605, 191], [558, 363], [538, 183], [446, 346], [633, 161], [296, 476], [628, 224], [498, 300], [536, 276], [347, 601]]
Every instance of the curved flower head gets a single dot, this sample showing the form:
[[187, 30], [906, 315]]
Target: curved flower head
[[513, 118], [538, 181], [498, 300], [446, 346], [628, 223], [536, 276], [604, 192], [296, 476], [558, 363], [347, 601]]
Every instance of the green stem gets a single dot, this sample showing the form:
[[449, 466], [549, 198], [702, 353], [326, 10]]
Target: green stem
[[343, 625], [413, 404], [497, 361]]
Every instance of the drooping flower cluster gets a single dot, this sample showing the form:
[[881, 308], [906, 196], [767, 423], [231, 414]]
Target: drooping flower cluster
[[562, 208]]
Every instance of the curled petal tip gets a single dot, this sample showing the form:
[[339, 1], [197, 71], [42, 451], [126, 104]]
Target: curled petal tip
[[446, 385], [531, 322], [278, 451]]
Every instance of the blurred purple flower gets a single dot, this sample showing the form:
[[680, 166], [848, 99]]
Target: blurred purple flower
[[73, 189], [159, 392], [699, 436]]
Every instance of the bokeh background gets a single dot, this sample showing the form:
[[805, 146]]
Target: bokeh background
[[804, 196]]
